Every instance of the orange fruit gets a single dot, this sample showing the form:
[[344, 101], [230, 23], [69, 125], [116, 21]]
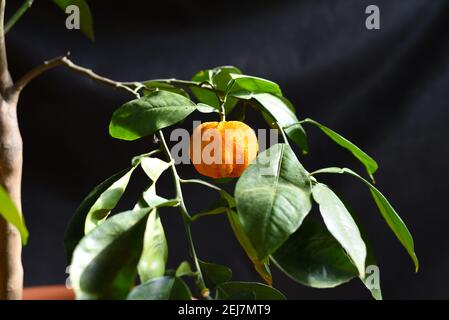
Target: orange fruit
[[223, 149]]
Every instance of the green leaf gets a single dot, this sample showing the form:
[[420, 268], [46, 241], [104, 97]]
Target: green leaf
[[341, 225], [105, 261], [106, 201], [163, 288], [370, 256], [243, 84], [219, 78], [155, 249], [142, 117], [152, 200], [393, 220], [279, 110], [215, 274], [75, 230], [12, 215], [205, 108], [273, 198], [261, 266], [184, 269], [313, 257], [369, 163], [86, 21], [153, 85], [299, 136], [154, 167], [232, 289]]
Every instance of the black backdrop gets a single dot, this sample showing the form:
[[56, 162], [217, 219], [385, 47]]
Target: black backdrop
[[386, 90]]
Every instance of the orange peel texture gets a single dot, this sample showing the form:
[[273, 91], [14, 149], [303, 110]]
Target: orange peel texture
[[223, 149]]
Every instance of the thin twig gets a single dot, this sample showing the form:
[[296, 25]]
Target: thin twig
[[65, 61], [18, 14]]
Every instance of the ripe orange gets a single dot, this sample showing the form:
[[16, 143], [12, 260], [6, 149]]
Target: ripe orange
[[223, 149]]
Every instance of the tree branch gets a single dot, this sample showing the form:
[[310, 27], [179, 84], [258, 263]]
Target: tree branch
[[5, 77], [65, 61]]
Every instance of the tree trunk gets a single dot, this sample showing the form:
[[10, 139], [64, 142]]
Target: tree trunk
[[11, 270]]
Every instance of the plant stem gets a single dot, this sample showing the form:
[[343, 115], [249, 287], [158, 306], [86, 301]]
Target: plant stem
[[185, 217], [18, 14]]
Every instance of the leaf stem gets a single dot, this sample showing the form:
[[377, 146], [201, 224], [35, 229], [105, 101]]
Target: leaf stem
[[283, 133], [185, 217], [18, 14], [198, 181]]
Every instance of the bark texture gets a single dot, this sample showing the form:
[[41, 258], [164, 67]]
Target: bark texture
[[11, 270]]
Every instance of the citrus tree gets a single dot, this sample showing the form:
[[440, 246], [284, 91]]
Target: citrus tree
[[268, 211], [124, 255]]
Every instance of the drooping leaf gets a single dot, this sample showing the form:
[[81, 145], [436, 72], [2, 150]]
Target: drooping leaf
[[142, 117], [230, 290], [163, 288], [371, 262], [75, 229], [393, 220], [11, 214], [273, 198], [104, 264], [215, 274], [155, 249], [341, 225], [275, 109], [313, 257], [106, 201], [86, 21], [369, 163]]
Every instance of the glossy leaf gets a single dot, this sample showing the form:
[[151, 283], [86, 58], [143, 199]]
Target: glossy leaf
[[313, 257], [75, 230], [219, 78], [142, 117], [155, 249], [260, 291], [205, 108], [11, 214], [393, 220], [163, 288], [215, 274], [278, 110], [273, 198], [369, 163], [243, 84], [105, 261], [341, 225], [86, 21], [152, 85], [106, 201]]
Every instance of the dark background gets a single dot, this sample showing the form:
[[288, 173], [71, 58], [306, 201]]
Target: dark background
[[386, 90]]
